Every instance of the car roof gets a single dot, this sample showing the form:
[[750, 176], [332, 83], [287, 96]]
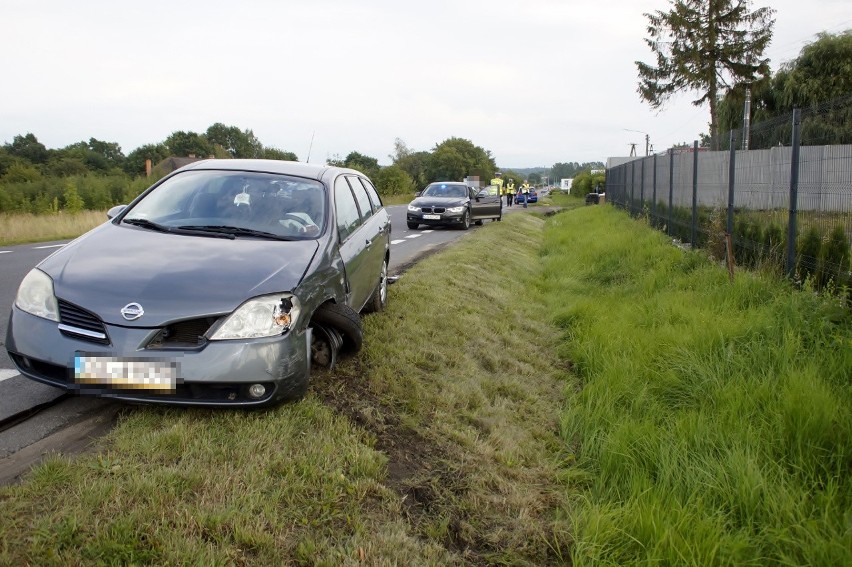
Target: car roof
[[297, 168]]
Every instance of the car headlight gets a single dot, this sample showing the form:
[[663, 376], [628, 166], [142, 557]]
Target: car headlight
[[35, 296], [455, 209], [265, 316], [413, 209]]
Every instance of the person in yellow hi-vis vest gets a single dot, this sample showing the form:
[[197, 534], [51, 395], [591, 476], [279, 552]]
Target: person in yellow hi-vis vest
[[510, 192], [498, 181], [525, 189]]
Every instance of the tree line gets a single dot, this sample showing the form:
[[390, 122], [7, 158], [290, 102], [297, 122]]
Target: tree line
[[96, 174]]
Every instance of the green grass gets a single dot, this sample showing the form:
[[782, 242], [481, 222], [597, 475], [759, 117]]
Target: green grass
[[594, 397], [713, 424]]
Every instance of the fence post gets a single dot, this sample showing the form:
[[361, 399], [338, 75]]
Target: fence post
[[729, 225], [671, 191], [642, 189], [654, 193], [694, 227], [794, 195], [632, 185]]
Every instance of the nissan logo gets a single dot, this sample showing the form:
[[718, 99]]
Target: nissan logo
[[132, 311]]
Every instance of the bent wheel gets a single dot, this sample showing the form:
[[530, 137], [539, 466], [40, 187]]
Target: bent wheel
[[343, 319]]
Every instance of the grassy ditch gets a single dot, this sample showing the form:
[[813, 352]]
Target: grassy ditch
[[713, 422], [585, 394]]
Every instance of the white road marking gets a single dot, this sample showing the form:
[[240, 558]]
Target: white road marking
[[5, 374], [414, 236], [397, 241], [5, 251], [51, 246]]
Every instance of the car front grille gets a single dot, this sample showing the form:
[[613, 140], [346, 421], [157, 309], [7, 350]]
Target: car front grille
[[81, 324], [183, 334], [428, 210]]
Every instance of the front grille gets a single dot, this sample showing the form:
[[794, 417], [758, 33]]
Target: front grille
[[434, 209], [183, 334], [81, 324]]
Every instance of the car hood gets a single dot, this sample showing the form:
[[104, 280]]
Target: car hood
[[438, 201], [172, 276]]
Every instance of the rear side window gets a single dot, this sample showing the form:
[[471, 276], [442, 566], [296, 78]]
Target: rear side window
[[374, 195], [348, 219], [362, 197]]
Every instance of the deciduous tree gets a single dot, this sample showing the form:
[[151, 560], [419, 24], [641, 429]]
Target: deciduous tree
[[29, 148], [457, 158]]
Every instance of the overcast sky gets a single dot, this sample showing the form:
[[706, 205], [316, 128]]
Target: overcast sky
[[534, 82]]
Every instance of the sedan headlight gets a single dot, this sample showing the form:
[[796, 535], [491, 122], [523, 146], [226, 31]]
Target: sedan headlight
[[413, 209], [455, 209], [265, 316], [35, 296]]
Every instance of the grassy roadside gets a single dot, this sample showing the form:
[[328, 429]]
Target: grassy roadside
[[595, 397], [21, 228], [713, 425]]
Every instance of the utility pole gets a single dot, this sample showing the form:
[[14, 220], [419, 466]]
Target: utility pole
[[647, 142]]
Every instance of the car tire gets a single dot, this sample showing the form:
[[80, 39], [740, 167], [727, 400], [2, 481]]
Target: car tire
[[465, 223], [412, 225], [379, 300], [346, 320]]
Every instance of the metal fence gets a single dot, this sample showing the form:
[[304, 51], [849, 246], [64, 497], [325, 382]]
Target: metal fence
[[780, 197]]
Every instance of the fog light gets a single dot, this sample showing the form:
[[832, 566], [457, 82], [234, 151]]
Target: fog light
[[257, 390]]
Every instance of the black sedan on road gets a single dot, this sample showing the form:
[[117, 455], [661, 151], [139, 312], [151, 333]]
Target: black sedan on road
[[222, 284], [452, 203]]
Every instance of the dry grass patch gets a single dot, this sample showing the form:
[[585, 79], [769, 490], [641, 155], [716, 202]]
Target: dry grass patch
[[21, 228]]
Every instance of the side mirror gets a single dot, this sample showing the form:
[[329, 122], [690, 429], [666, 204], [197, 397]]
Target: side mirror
[[115, 211], [417, 193]]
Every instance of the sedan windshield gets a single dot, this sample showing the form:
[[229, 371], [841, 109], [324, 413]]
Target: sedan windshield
[[445, 190], [237, 204]]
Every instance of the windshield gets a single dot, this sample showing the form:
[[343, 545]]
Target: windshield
[[445, 190], [278, 205]]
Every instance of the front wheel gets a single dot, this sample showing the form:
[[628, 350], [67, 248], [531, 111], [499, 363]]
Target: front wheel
[[412, 225], [465, 222], [345, 320]]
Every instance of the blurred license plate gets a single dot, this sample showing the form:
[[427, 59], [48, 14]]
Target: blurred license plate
[[126, 373], [432, 217]]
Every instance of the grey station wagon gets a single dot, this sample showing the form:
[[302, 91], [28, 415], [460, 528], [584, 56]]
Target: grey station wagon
[[219, 285]]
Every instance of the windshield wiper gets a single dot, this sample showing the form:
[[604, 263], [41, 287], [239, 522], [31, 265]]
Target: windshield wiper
[[235, 230], [145, 223]]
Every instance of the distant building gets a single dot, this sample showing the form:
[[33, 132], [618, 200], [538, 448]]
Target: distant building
[[170, 164]]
